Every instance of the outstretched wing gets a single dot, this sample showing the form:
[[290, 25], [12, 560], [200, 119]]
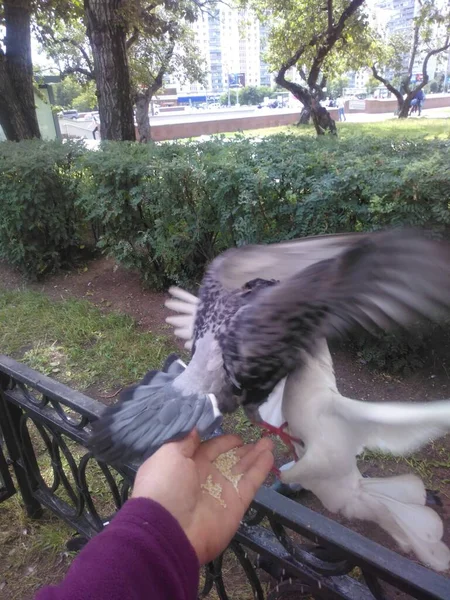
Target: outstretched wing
[[395, 427], [380, 281], [237, 266]]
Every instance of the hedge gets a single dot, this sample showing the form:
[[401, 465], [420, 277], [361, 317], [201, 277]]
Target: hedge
[[169, 209], [40, 225]]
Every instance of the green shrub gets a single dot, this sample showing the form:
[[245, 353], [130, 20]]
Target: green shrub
[[399, 353], [168, 209], [39, 223]]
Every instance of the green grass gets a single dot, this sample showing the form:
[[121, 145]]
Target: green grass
[[76, 342], [391, 128]]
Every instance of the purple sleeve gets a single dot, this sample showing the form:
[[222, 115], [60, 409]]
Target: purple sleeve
[[143, 553]]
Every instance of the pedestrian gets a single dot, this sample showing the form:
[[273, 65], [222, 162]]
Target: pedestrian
[[340, 106], [420, 97], [154, 546]]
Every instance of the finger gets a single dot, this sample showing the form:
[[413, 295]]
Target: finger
[[255, 476], [188, 445], [219, 445], [248, 458]]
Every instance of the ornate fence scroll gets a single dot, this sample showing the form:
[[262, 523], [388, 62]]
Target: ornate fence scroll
[[282, 550]]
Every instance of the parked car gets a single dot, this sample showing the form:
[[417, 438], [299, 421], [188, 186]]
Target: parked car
[[70, 114]]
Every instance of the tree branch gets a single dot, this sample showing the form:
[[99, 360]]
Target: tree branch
[[80, 48], [429, 55], [133, 38], [70, 70], [389, 86], [330, 14], [331, 35], [415, 43]]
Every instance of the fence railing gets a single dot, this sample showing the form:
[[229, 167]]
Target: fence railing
[[284, 549]]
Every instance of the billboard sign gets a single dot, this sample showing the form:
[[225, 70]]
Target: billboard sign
[[236, 80]]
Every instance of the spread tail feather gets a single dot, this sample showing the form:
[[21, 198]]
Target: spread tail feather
[[185, 304], [397, 504]]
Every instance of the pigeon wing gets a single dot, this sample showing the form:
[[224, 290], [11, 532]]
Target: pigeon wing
[[237, 266], [380, 281], [155, 414], [395, 427]]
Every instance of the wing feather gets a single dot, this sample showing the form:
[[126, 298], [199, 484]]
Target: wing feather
[[235, 267], [380, 281], [395, 427]]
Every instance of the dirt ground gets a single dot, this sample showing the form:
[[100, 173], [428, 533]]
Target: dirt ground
[[114, 288]]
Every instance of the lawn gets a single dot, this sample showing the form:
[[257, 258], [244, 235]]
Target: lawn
[[391, 128], [76, 342]]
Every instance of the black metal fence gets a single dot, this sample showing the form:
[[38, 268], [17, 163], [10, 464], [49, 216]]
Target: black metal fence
[[284, 549]]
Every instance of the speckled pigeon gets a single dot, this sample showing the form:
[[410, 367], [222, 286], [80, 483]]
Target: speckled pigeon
[[261, 307]]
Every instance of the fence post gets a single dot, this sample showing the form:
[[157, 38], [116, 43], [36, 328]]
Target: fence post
[[10, 416]]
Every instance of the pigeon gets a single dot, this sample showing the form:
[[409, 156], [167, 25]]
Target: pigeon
[[327, 432], [334, 429], [261, 307]]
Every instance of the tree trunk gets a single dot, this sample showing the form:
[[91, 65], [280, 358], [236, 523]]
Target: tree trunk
[[322, 120], [106, 29], [311, 107], [142, 100], [305, 116], [403, 110], [17, 105]]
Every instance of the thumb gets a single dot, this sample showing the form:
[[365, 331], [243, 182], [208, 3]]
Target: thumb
[[188, 445]]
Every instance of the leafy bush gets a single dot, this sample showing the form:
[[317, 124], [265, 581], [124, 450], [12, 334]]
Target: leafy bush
[[169, 209], [398, 353], [39, 223]]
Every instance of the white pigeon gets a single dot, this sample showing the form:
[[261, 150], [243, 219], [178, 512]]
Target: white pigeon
[[333, 430]]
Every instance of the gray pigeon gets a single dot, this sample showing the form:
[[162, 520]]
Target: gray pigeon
[[262, 307]]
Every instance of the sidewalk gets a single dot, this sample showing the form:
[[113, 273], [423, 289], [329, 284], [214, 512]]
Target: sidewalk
[[431, 113]]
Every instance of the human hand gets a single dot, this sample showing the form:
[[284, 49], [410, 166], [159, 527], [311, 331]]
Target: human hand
[[173, 477]]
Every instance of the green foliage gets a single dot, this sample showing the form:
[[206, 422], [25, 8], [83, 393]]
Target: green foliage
[[254, 95], [336, 85], [400, 353], [86, 99], [39, 223], [165, 46], [167, 210], [299, 28]]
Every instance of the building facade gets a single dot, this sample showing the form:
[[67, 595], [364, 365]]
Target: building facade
[[232, 42]]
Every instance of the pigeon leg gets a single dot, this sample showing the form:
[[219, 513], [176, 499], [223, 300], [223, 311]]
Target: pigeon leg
[[281, 433]]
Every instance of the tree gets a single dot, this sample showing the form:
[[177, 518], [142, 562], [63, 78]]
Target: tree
[[336, 85], [163, 44], [17, 105], [87, 98], [131, 46], [396, 56], [107, 25], [66, 91], [316, 42], [255, 95]]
